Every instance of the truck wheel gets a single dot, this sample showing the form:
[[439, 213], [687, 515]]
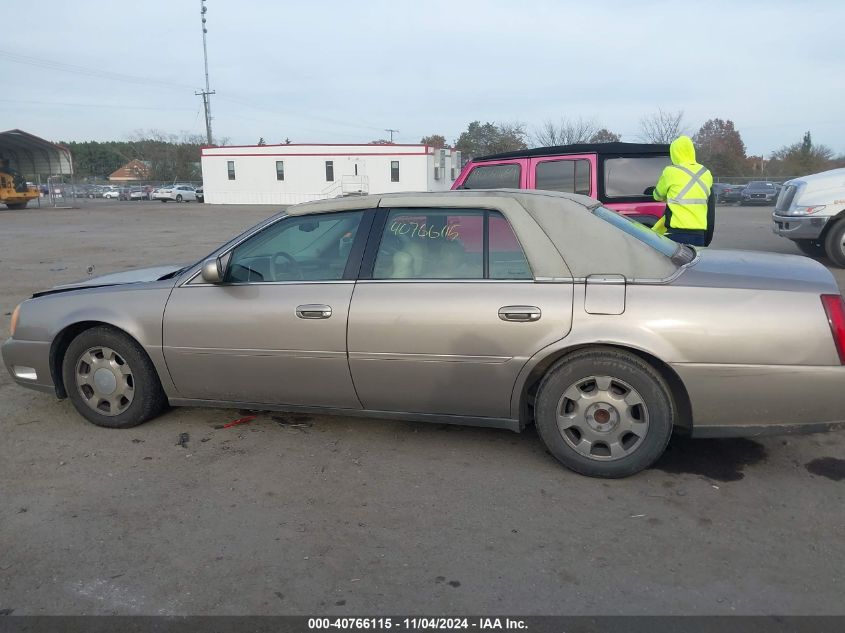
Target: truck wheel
[[811, 248], [834, 244], [604, 413], [14, 206]]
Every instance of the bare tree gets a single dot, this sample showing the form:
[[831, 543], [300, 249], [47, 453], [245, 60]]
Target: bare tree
[[605, 136], [566, 132], [662, 127]]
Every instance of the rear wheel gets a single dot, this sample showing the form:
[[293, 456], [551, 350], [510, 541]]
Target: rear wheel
[[811, 248], [110, 379], [16, 205], [834, 244], [179, 198], [604, 413]]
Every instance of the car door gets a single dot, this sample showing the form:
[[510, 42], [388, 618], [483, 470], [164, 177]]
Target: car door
[[274, 331], [447, 312]]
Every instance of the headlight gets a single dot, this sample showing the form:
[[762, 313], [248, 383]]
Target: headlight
[[808, 210], [13, 326]]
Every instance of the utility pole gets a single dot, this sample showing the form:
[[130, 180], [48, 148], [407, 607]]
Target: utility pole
[[206, 102], [392, 132]]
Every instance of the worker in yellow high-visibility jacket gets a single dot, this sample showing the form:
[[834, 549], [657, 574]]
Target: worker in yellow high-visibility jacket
[[684, 186]]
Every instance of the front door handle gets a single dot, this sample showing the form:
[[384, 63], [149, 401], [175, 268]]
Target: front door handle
[[314, 311], [520, 313]]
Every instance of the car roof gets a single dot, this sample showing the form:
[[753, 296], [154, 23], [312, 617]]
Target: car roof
[[560, 236], [602, 149]]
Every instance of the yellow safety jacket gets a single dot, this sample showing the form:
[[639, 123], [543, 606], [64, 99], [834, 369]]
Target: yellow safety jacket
[[684, 186]]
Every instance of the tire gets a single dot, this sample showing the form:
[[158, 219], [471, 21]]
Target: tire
[[16, 206], [580, 387], [834, 244], [811, 248], [136, 394], [163, 200], [179, 198]]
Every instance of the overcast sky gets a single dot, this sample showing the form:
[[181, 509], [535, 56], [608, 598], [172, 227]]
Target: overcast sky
[[330, 71]]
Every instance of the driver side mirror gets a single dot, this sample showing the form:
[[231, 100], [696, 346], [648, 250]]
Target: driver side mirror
[[649, 191], [212, 270]]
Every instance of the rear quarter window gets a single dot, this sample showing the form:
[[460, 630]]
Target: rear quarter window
[[629, 176]]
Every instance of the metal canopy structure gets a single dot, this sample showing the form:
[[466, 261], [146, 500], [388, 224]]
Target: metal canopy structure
[[34, 157]]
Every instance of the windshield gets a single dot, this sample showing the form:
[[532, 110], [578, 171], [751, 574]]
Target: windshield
[[678, 253]]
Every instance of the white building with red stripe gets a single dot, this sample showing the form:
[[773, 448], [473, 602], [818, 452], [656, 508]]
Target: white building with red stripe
[[288, 174]]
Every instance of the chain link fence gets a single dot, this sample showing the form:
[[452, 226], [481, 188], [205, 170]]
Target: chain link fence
[[62, 191]]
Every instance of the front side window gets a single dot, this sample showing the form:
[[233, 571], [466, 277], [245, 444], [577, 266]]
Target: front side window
[[280, 170], [505, 176], [569, 176], [631, 176], [394, 171], [449, 244], [299, 248], [329, 171], [230, 166]]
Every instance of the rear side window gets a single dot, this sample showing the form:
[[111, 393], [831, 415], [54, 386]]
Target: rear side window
[[630, 176], [504, 176], [449, 244], [569, 176]]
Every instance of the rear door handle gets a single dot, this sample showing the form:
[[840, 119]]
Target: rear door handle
[[520, 313], [314, 311]]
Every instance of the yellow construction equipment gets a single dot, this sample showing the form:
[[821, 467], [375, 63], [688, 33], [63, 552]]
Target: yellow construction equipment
[[14, 192]]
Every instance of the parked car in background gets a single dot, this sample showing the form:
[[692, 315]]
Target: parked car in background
[[561, 313], [810, 211], [717, 189], [176, 193], [732, 193], [759, 192], [618, 174], [200, 195], [112, 194], [138, 193]]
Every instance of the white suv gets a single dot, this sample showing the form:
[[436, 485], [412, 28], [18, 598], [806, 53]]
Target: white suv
[[177, 193]]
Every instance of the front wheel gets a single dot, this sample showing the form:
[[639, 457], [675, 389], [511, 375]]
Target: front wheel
[[110, 379], [14, 206], [834, 244], [604, 413]]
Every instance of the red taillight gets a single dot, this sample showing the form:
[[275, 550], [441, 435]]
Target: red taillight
[[835, 310]]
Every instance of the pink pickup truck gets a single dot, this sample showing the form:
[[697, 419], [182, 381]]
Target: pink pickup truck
[[617, 174]]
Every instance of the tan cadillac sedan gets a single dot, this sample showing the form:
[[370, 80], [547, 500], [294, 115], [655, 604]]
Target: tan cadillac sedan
[[492, 308]]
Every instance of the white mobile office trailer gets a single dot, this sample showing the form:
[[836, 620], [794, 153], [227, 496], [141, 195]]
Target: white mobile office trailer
[[288, 174]]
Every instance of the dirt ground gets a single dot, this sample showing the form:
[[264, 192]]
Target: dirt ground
[[296, 514]]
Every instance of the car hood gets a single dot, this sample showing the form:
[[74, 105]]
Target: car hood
[[136, 275], [758, 271]]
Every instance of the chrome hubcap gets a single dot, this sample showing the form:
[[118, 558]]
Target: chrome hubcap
[[105, 381], [602, 418]]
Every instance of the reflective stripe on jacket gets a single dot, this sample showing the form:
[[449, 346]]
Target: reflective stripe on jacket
[[685, 186]]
